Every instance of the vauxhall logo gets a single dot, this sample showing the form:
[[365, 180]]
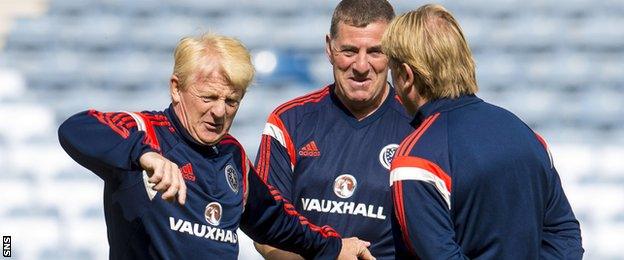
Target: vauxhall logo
[[212, 215]]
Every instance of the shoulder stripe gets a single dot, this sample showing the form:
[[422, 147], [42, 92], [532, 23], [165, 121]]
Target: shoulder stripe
[[108, 119], [128, 122], [406, 146], [150, 135], [419, 169], [298, 99], [276, 129], [146, 122], [157, 120], [312, 97], [138, 119]]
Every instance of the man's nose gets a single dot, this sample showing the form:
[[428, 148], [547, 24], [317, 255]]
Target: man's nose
[[218, 109], [361, 65]]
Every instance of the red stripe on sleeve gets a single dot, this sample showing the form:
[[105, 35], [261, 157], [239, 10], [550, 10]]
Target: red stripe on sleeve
[[265, 157], [399, 207], [409, 138], [109, 120], [325, 231], [411, 161], [290, 147], [407, 144], [150, 135], [116, 116], [541, 140], [261, 159]]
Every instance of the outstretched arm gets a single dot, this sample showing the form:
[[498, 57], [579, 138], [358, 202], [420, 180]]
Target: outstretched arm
[[109, 143], [104, 142]]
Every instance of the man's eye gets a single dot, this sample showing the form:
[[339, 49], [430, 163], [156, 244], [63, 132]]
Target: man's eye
[[376, 53], [207, 99], [232, 102], [349, 53]]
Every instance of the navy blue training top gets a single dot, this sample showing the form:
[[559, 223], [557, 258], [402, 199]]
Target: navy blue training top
[[334, 168], [224, 192], [474, 181]]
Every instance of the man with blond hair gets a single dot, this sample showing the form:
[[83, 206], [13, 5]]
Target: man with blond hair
[[329, 152], [473, 181], [186, 154]]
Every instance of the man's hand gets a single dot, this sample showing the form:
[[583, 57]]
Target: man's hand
[[272, 253], [165, 175], [354, 248]]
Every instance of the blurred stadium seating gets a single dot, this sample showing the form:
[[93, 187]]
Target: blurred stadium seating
[[559, 65]]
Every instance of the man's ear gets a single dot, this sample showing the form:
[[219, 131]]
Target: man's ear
[[174, 88], [328, 50], [408, 74]]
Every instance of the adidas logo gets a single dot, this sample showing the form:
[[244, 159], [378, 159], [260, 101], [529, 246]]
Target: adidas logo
[[187, 172], [310, 150]]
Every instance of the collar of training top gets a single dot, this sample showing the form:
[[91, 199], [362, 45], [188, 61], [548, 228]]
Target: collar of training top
[[354, 122], [186, 137], [442, 105]]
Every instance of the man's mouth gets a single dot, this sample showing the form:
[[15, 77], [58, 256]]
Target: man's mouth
[[360, 83], [213, 126]]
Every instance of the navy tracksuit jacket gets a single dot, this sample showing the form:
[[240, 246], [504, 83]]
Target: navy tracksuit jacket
[[473, 181], [224, 192]]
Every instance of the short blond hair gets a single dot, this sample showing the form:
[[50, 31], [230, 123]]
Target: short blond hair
[[231, 55], [431, 42]]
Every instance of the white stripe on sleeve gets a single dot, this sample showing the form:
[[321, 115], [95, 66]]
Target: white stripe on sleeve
[[419, 174]]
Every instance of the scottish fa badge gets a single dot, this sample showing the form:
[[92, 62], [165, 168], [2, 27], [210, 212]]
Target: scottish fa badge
[[386, 155], [231, 177]]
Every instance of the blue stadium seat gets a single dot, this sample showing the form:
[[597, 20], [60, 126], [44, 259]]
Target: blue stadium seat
[[33, 34], [198, 8], [250, 29], [598, 32], [537, 32], [161, 34], [302, 34], [274, 7], [561, 9], [132, 9], [92, 32], [71, 7]]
